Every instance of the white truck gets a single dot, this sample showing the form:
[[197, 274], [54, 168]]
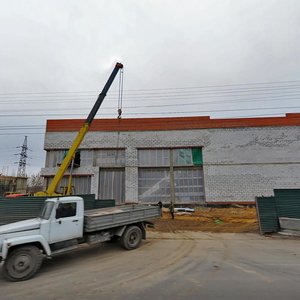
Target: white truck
[[62, 226]]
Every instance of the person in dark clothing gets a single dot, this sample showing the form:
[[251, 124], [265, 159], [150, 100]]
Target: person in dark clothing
[[171, 208]]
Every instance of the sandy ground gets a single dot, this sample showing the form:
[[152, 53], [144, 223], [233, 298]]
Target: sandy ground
[[235, 219], [181, 265]]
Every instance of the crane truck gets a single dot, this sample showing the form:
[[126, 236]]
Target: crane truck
[[63, 224]]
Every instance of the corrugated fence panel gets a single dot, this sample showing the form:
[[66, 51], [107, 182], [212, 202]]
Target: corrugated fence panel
[[288, 203], [89, 201], [18, 209], [267, 214]]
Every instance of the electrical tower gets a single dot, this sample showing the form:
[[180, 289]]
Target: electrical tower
[[22, 161]]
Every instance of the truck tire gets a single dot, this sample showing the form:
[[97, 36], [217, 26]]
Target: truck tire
[[131, 238], [22, 263]]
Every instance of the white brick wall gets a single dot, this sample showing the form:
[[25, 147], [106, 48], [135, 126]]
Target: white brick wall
[[239, 163]]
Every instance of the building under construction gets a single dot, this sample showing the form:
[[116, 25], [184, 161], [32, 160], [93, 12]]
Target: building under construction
[[12, 184], [183, 159]]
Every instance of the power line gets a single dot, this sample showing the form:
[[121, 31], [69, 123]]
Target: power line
[[162, 92], [158, 89], [244, 100], [155, 98], [240, 100], [149, 113], [189, 97]]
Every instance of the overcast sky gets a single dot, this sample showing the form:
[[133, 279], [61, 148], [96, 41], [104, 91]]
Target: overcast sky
[[221, 59]]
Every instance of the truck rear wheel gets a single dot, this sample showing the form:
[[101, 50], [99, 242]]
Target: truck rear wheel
[[131, 238], [22, 263]]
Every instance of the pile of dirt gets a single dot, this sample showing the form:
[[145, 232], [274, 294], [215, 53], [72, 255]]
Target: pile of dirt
[[238, 220]]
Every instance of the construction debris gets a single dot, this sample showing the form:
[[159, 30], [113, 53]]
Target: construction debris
[[289, 226], [184, 209]]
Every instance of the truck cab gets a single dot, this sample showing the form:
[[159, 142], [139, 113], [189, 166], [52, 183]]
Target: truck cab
[[61, 220]]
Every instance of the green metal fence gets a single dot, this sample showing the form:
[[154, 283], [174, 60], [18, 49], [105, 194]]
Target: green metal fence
[[22, 208], [267, 214], [288, 203], [285, 203]]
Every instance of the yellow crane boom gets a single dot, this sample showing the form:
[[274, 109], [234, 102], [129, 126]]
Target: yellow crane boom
[[51, 190]]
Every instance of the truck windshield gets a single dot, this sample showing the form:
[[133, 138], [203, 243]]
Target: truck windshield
[[47, 209]]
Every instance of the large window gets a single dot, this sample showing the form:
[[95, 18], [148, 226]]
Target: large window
[[54, 158], [112, 185], [154, 157], [188, 185], [110, 157], [187, 157], [112, 174], [81, 184], [86, 157], [170, 175], [154, 185]]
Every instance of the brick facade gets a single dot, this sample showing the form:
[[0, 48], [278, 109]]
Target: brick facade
[[239, 162]]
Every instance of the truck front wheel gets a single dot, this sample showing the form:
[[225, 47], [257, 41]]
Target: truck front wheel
[[22, 263], [131, 238]]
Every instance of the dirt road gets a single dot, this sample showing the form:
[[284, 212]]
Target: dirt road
[[182, 265]]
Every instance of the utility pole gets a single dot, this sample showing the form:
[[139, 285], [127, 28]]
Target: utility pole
[[22, 161]]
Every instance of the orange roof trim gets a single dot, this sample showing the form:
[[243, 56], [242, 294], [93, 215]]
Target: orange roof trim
[[172, 123]]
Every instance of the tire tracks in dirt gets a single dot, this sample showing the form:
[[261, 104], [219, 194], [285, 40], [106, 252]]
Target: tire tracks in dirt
[[165, 266]]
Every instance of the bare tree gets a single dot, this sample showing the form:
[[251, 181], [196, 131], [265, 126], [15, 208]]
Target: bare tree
[[35, 183]]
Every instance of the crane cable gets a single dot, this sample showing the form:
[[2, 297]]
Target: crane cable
[[120, 97], [120, 100]]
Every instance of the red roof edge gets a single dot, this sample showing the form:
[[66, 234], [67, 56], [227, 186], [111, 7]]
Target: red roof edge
[[171, 123]]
